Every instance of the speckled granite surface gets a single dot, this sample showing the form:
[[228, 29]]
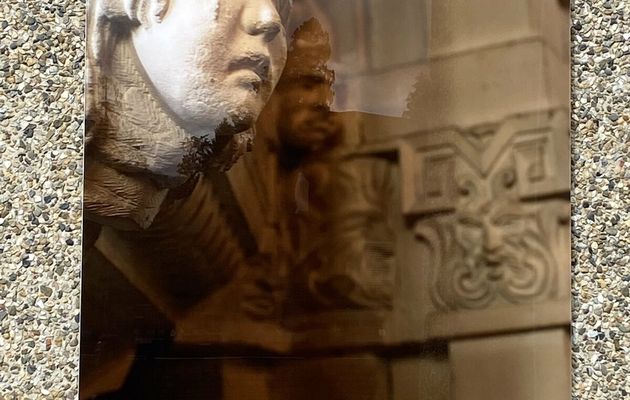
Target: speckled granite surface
[[601, 199], [41, 111], [41, 135]]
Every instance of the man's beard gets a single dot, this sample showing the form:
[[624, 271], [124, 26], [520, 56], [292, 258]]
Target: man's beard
[[206, 153], [308, 129]]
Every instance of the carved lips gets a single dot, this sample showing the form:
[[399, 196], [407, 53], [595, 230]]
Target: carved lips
[[253, 70]]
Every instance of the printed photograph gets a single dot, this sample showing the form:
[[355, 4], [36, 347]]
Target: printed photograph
[[326, 200]]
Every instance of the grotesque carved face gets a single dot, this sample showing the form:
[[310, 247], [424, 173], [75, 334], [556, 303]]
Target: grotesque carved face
[[502, 253], [213, 62], [491, 235], [501, 247]]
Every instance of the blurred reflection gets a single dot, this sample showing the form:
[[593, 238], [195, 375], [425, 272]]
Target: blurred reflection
[[305, 94], [333, 206]]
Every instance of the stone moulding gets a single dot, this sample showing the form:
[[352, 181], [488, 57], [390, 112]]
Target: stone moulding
[[541, 158]]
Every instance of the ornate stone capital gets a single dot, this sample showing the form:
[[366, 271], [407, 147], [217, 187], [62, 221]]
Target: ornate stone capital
[[489, 207]]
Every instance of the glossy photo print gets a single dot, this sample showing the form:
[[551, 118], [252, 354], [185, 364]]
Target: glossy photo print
[[320, 199]]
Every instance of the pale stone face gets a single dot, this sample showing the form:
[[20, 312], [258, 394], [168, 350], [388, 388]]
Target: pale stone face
[[213, 62]]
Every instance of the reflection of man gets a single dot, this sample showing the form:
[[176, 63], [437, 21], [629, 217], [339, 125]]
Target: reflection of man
[[333, 207], [305, 92], [308, 133], [170, 83]]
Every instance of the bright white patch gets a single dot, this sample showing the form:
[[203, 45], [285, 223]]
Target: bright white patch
[[266, 14]]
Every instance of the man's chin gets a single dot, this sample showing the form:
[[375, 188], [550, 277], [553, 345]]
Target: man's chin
[[307, 137], [241, 118], [235, 116], [235, 124]]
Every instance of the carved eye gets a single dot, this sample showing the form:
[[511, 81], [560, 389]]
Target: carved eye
[[507, 219], [509, 178], [470, 222], [465, 187]]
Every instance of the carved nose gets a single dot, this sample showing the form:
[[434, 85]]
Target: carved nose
[[321, 107], [263, 21], [491, 240]]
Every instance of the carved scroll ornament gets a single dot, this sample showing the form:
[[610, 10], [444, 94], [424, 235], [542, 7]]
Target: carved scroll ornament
[[493, 251]]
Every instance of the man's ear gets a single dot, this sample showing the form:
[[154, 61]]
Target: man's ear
[[146, 11], [159, 9], [104, 17]]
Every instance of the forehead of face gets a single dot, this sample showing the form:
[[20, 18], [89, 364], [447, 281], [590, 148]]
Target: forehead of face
[[148, 11], [309, 52]]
